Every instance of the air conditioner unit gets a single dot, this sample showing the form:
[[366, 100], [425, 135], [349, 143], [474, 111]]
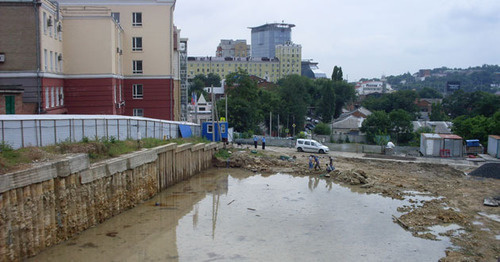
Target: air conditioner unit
[[59, 28], [49, 22], [59, 57]]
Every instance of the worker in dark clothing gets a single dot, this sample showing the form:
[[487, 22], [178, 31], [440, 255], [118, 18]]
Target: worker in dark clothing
[[255, 141], [316, 160], [263, 142]]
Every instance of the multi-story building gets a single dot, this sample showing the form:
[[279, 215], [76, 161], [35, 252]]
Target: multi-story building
[[31, 64], [268, 69], [92, 57], [290, 58], [311, 70], [232, 48], [131, 50], [266, 37]]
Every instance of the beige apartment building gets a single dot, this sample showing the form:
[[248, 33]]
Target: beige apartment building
[[91, 57], [287, 62]]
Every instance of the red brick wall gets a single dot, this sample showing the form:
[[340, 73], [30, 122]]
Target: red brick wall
[[158, 98]]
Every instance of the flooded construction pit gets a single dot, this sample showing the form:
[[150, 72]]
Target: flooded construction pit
[[232, 214]]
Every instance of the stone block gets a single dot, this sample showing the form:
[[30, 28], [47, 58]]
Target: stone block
[[78, 163], [140, 158], [165, 148], [116, 165], [93, 174], [183, 147]]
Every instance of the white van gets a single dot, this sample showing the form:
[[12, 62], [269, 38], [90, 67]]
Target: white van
[[309, 145]]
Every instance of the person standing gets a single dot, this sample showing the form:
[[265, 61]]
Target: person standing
[[255, 141], [263, 143], [311, 164], [316, 159]]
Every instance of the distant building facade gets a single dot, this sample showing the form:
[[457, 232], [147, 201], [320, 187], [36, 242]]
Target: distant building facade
[[266, 37], [268, 69], [290, 57], [233, 48], [372, 87], [311, 70]]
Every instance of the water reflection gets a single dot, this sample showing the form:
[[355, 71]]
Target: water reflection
[[231, 214]]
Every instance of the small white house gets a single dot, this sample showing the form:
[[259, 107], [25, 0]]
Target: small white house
[[494, 146]]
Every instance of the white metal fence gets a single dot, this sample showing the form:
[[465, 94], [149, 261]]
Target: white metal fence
[[42, 130]]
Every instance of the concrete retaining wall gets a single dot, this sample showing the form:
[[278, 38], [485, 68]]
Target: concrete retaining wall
[[45, 205]]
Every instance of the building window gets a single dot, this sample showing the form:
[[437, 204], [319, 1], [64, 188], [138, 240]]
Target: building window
[[136, 43], [137, 91], [136, 19], [49, 24], [51, 61], [210, 129], [116, 17], [55, 60], [61, 96], [44, 23], [47, 97], [137, 67], [120, 90], [46, 60], [52, 97], [138, 112]]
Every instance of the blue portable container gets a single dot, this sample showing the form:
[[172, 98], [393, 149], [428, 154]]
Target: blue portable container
[[220, 131], [472, 142]]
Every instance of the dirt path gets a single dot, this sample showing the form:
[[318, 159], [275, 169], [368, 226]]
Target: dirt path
[[458, 199]]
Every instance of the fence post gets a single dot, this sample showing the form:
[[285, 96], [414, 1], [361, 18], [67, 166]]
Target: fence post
[[107, 130], [40, 125], [36, 133], [22, 133], [55, 133], [83, 128], [118, 129], [70, 135], [96, 137], [3, 132]]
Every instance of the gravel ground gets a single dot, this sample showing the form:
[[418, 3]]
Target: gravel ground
[[488, 170]]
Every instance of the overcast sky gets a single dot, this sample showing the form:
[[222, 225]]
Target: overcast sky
[[366, 38]]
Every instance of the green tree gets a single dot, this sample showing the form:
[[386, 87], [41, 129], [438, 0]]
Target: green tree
[[242, 103], [472, 127], [344, 93], [326, 106], [378, 123], [401, 125], [322, 129], [294, 99], [428, 92], [437, 113], [337, 74]]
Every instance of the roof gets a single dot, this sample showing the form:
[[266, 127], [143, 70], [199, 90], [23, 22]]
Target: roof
[[350, 122], [450, 136], [494, 137], [431, 136]]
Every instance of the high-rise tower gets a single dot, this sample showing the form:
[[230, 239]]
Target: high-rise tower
[[266, 37]]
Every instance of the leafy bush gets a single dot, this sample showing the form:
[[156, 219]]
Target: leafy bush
[[322, 129]]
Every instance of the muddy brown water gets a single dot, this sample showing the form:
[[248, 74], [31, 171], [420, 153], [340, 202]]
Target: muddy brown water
[[235, 215]]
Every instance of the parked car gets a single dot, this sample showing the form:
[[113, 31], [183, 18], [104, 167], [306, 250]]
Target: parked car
[[309, 145]]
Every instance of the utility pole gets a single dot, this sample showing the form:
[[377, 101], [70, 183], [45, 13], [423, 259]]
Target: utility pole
[[278, 125], [270, 124], [213, 116]]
